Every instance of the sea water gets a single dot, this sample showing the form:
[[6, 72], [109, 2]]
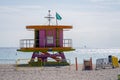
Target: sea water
[[11, 55]]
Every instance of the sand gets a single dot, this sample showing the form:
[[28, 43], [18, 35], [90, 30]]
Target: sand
[[10, 72]]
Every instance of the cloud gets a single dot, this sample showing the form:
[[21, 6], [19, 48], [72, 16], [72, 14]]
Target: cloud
[[19, 8], [106, 2]]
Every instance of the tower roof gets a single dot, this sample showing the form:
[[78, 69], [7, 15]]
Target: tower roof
[[36, 27]]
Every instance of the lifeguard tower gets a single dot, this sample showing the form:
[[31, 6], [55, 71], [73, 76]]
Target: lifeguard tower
[[48, 42]]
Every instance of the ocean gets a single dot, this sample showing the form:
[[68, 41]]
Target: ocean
[[11, 55]]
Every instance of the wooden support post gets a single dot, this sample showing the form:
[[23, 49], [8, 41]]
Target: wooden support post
[[76, 64]]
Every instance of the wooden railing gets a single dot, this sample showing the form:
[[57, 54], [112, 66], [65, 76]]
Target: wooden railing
[[30, 43]]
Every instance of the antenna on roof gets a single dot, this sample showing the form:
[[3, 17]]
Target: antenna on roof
[[49, 17]]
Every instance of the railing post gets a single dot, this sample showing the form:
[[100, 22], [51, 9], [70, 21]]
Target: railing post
[[20, 44]]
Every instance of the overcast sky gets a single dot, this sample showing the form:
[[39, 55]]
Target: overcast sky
[[96, 23]]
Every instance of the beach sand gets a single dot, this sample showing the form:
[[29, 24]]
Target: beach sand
[[10, 72]]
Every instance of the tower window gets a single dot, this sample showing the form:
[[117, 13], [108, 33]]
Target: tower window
[[49, 39]]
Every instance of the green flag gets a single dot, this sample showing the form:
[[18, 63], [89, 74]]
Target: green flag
[[58, 17]]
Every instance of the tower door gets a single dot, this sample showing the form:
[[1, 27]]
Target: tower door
[[36, 38], [50, 38]]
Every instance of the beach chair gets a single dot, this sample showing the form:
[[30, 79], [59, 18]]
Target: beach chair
[[103, 63], [114, 61]]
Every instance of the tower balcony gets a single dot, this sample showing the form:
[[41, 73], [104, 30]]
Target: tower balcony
[[31, 45]]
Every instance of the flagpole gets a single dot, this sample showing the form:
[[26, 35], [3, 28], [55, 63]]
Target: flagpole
[[56, 22]]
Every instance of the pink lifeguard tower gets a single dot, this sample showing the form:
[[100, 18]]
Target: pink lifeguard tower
[[48, 42]]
